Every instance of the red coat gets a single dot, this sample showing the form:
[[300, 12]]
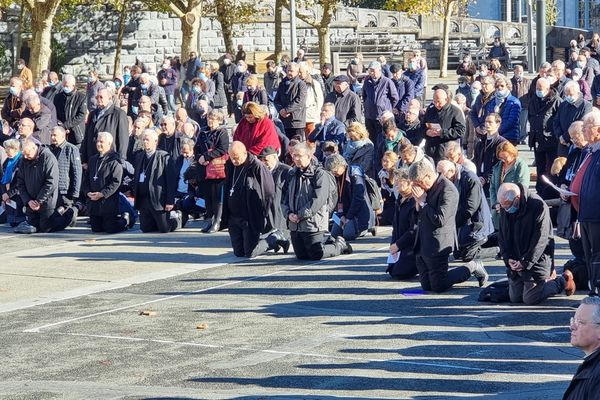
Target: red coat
[[258, 135]]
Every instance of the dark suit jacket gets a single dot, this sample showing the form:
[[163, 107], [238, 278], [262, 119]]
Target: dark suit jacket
[[162, 179], [114, 120], [437, 227]]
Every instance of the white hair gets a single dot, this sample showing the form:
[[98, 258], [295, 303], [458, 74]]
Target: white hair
[[508, 192], [106, 136]]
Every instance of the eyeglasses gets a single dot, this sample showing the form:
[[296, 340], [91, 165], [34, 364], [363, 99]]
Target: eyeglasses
[[163, 124], [577, 322]]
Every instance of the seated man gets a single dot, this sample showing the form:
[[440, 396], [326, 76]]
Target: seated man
[[437, 201], [306, 204], [353, 208], [329, 129], [527, 247], [37, 180], [585, 335]]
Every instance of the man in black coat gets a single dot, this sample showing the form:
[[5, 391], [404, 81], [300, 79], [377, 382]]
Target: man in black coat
[[69, 177], [37, 180], [41, 117], [290, 101], [131, 88], [585, 335], [279, 170], [71, 109], [527, 246], [107, 117], [13, 104], [249, 192], [348, 106], [155, 185], [101, 186], [541, 114], [485, 151], [168, 140], [473, 217], [572, 109], [437, 201], [405, 87], [444, 122]]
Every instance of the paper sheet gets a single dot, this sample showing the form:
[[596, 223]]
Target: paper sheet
[[393, 258], [336, 219], [562, 192], [200, 202]]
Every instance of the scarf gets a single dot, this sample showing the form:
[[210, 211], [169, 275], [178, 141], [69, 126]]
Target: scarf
[[353, 146], [391, 144], [10, 169]]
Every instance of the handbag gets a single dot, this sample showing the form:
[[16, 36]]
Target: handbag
[[216, 167]]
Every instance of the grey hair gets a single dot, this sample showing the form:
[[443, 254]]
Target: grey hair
[[305, 147], [545, 65], [217, 114], [106, 135], [573, 85], [168, 118], [60, 129], [31, 98], [188, 141], [508, 191], [68, 78], [330, 106], [592, 118], [452, 147], [419, 169], [594, 301], [12, 144], [150, 132], [334, 161], [443, 165], [402, 173]]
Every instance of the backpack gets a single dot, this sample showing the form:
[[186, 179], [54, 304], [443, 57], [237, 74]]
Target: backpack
[[374, 194], [497, 292], [332, 194]]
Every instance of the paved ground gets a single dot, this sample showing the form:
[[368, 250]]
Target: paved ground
[[273, 328]]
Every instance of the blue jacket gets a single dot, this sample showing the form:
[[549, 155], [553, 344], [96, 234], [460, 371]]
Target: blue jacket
[[406, 92], [479, 110], [334, 131], [567, 114], [379, 96], [418, 79], [590, 191], [354, 198], [510, 111]]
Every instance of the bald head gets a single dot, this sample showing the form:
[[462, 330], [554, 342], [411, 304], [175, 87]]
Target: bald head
[[447, 168], [440, 98], [104, 98], [508, 195], [238, 153]]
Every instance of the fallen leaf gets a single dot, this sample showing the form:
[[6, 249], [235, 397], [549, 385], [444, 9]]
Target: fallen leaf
[[147, 313], [201, 326], [90, 240]]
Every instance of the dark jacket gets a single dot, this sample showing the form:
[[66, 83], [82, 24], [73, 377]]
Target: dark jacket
[[211, 145], [271, 81], [480, 110], [69, 166], [348, 106], [413, 132], [291, 96], [170, 144], [104, 175], [362, 157], [259, 96], [520, 89], [238, 82], [91, 92], [590, 191], [228, 72], [257, 192], [220, 98], [406, 92], [70, 112], [333, 131], [306, 196], [586, 382], [541, 121], [378, 96], [473, 216], [354, 199], [38, 179], [130, 89], [526, 236], [50, 92], [43, 123], [151, 91], [485, 158], [567, 114], [510, 111], [161, 178], [404, 232], [452, 121], [11, 110], [418, 78], [328, 83], [436, 234], [280, 174], [113, 120], [170, 77]]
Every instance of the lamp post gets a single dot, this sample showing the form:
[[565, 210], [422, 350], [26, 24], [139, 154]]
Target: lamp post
[[541, 32], [293, 28], [531, 58]]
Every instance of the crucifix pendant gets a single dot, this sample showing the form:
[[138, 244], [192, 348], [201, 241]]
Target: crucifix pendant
[[231, 192], [95, 178]]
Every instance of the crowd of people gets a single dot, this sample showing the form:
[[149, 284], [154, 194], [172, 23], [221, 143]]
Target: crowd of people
[[315, 161]]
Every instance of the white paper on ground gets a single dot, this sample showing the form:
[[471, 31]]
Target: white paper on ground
[[200, 202], [562, 192]]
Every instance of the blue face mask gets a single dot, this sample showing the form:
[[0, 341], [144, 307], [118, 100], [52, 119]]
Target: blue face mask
[[462, 85], [580, 65], [502, 94], [196, 89], [13, 90], [143, 86], [135, 110], [38, 90], [202, 76], [539, 93], [570, 99], [51, 84], [91, 79], [67, 90], [512, 209]]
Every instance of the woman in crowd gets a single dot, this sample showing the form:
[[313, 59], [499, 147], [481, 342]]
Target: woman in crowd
[[255, 92], [256, 130], [510, 169], [211, 148], [359, 149], [386, 182], [13, 205]]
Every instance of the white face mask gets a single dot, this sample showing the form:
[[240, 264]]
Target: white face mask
[[227, 61]]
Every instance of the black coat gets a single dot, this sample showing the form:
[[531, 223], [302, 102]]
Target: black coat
[[11, 110], [436, 234], [170, 144], [541, 121], [70, 112], [348, 106], [452, 121], [220, 98], [43, 123], [291, 96], [363, 157], [526, 236], [161, 178], [211, 145], [404, 232], [38, 179], [473, 216], [485, 158], [257, 192], [586, 382], [569, 113], [413, 132], [104, 175], [353, 197], [114, 120], [280, 173]]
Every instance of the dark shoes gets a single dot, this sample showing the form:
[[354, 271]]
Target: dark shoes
[[569, 283], [478, 270], [345, 247]]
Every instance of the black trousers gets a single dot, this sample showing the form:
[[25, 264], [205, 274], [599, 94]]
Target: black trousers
[[245, 241], [108, 224], [152, 220], [543, 164], [310, 246], [375, 130], [435, 275], [213, 189], [59, 221], [41, 219], [471, 251], [590, 239]]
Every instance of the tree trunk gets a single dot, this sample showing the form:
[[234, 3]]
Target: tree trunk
[[445, 42], [189, 32], [226, 29], [324, 45], [42, 18], [278, 25], [121, 30], [20, 32]]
